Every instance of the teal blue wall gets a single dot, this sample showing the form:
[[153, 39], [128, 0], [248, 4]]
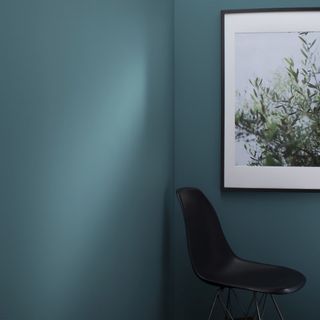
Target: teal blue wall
[[280, 228], [86, 158]]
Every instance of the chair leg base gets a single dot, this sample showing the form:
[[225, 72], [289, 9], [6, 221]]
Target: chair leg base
[[256, 306]]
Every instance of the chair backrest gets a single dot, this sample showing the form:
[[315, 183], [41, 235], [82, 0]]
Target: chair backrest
[[208, 249]]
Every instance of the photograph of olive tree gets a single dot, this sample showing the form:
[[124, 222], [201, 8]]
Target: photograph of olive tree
[[277, 111]]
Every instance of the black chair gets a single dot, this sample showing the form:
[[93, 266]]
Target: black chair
[[214, 262]]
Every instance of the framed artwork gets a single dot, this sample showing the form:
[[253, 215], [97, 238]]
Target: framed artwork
[[271, 99]]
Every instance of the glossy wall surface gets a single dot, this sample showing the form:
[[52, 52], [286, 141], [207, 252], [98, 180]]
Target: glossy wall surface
[[86, 158], [280, 228]]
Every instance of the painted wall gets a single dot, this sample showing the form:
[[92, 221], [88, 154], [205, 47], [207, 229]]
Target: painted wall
[[86, 158], [279, 228]]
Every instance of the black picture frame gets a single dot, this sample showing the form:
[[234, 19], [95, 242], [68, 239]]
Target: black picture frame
[[256, 175]]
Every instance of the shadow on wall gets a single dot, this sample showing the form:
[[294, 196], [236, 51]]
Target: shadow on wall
[[89, 175], [130, 244]]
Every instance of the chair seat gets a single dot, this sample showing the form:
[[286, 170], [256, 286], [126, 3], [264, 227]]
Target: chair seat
[[259, 277]]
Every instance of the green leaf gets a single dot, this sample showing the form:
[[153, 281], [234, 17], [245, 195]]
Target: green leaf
[[304, 53], [312, 44], [289, 61], [303, 40], [310, 85], [308, 92]]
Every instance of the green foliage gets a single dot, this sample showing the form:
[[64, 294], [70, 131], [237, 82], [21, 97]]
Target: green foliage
[[279, 123]]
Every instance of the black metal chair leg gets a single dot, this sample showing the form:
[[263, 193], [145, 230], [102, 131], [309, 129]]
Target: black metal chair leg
[[228, 305], [258, 302], [257, 306], [237, 300], [263, 304], [214, 304], [250, 305], [277, 307], [226, 310]]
